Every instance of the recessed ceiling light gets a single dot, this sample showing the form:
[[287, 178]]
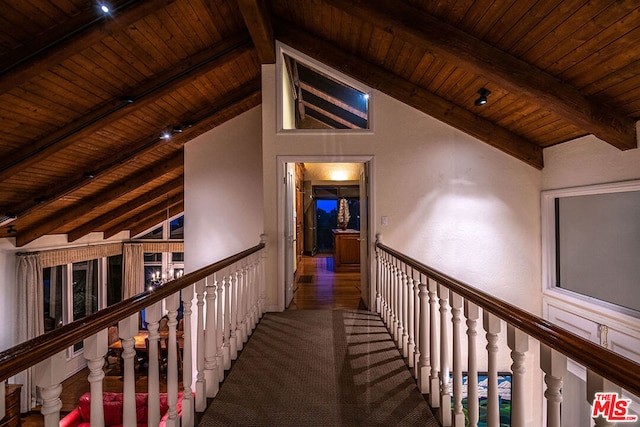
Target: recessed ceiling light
[[104, 8], [166, 135]]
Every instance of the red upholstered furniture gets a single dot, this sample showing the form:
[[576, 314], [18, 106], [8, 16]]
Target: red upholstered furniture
[[113, 410]]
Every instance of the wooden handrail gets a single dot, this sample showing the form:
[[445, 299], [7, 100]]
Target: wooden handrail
[[612, 366], [29, 353]]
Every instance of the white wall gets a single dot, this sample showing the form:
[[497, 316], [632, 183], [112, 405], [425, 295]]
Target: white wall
[[223, 191], [452, 201], [588, 161]]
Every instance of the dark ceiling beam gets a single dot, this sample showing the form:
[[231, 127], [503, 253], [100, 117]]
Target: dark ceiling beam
[[333, 100], [410, 94], [160, 215], [32, 63], [121, 212], [343, 122], [222, 53], [257, 18], [504, 70], [160, 208], [88, 204]]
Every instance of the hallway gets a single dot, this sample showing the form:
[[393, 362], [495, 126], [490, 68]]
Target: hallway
[[326, 361], [318, 286]]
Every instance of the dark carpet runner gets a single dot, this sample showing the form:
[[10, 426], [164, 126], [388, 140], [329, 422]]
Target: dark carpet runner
[[319, 368]]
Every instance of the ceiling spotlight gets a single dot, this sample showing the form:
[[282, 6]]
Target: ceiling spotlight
[[166, 135], [104, 8], [483, 92]]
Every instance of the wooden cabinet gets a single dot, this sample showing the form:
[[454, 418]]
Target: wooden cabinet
[[347, 250], [12, 406]]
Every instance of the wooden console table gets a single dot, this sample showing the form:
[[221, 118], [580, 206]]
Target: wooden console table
[[12, 406], [347, 250]]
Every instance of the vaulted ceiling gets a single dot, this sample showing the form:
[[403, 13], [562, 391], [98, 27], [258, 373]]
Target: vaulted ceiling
[[85, 98]]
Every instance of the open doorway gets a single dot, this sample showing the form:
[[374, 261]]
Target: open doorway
[[326, 235]]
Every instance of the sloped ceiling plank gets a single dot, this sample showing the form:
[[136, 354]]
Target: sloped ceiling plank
[[257, 18], [85, 206], [512, 74], [125, 209], [159, 208], [222, 53], [410, 94], [156, 219], [33, 65]]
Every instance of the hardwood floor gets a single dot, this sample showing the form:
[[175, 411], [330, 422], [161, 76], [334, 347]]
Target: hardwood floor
[[317, 287]]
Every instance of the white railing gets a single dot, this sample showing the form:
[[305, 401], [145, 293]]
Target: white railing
[[229, 299], [425, 311]]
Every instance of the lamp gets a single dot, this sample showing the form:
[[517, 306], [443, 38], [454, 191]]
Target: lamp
[[483, 92]]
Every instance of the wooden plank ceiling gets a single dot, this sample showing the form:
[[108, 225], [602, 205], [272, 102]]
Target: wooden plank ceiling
[[85, 98]]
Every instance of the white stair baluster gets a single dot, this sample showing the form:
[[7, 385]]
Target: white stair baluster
[[445, 390], [211, 371], [424, 361], [411, 329], [554, 365], [417, 310], [188, 404], [127, 329], [219, 330], [48, 376], [153, 313], [471, 312], [378, 278], [404, 283], [492, 328], [95, 350], [254, 295], [241, 305], [456, 307], [399, 304], [389, 291], [434, 354], [233, 339], [226, 316], [518, 342], [172, 303], [201, 393], [384, 284], [597, 384], [395, 325]]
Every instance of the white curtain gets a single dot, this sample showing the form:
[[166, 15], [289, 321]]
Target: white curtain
[[31, 321], [133, 259]]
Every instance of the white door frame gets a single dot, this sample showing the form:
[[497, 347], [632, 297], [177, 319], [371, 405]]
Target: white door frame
[[281, 162]]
